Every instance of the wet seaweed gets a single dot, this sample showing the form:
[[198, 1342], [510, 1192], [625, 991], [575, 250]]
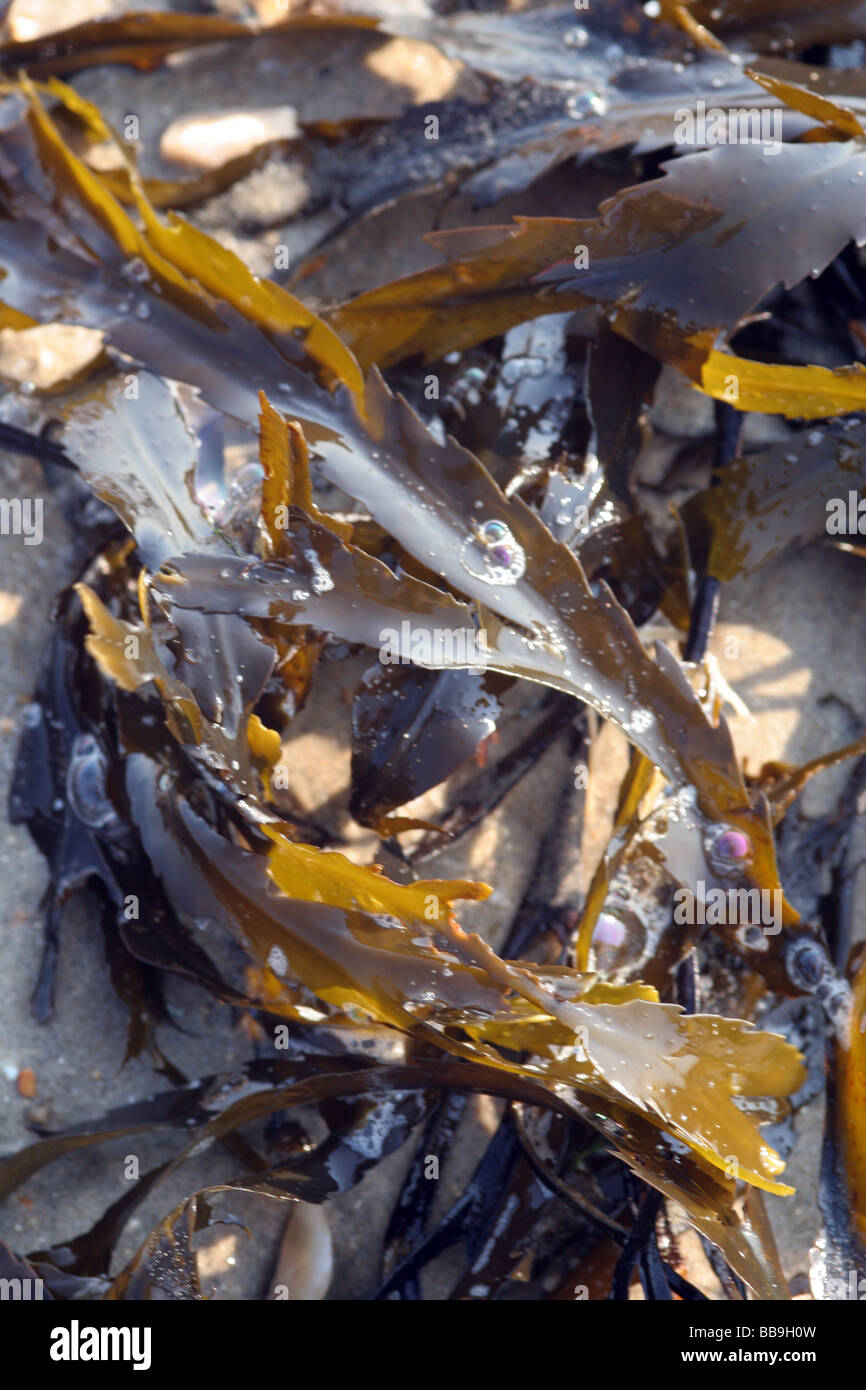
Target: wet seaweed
[[439, 486]]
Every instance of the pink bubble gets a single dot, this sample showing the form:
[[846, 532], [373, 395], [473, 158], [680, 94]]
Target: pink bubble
[[733, 844], [609, 931], [504, 554]]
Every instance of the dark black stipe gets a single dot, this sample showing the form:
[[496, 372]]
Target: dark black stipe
[[729, 424], [688, 981], [640, 1249], [37, 446]]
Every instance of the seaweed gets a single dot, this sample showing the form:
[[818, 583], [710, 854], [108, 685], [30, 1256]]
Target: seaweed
[[290, 499]]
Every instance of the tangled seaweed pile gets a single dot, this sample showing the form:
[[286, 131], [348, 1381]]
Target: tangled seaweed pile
[[226, 582]]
